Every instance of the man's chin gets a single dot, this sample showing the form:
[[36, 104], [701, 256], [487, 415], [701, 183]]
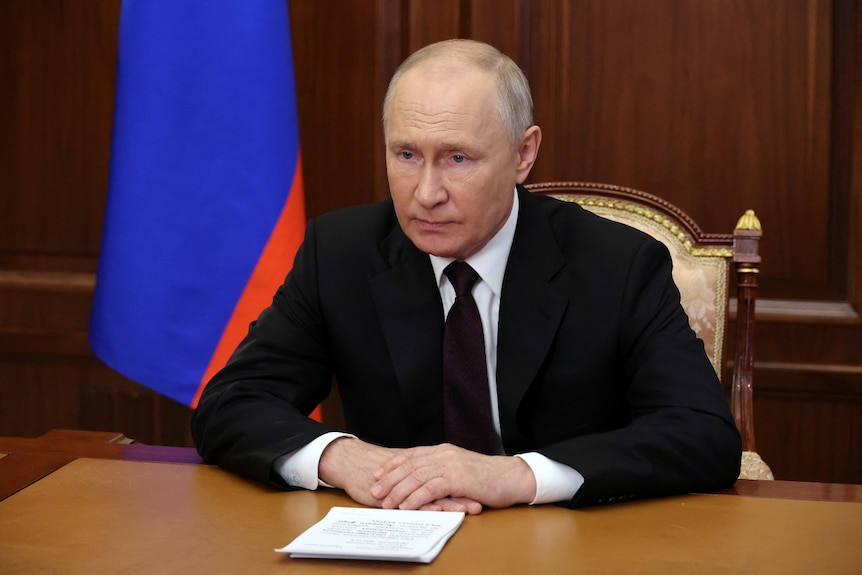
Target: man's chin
[[441, 253], [437, 249], [432, 243]]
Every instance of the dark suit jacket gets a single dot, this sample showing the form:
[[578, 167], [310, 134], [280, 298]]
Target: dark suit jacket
[[597, 366]]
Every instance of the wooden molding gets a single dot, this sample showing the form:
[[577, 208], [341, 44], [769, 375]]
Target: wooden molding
[[804, 311], [47, 281]]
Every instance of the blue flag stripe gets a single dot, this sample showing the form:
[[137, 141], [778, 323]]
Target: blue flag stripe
[[204, 153]]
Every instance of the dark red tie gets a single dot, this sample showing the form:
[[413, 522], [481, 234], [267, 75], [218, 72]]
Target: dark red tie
[[466, 398]]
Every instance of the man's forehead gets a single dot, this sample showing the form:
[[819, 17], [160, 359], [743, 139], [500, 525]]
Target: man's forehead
[[435, 97], [450, 124], [442, 131], [449, 90]]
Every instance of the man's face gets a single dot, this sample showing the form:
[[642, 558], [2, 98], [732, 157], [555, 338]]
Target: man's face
[[451, 168]]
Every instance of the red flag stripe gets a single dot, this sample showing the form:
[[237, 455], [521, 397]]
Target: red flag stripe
[[269, 272]]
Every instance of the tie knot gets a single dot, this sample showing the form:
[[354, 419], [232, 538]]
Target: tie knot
[[462, 277]]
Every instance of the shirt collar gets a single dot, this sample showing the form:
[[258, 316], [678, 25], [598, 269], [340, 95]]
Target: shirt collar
[[490, 261]]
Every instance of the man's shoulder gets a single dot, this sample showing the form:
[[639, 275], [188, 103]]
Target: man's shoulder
[[572, 222]]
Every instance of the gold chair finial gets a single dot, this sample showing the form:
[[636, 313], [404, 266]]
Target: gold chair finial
[[748, 221]]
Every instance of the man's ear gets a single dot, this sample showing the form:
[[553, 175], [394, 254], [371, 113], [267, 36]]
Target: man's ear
[[528, 151]]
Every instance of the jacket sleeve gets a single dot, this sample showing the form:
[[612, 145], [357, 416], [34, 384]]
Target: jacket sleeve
[[255, 409]]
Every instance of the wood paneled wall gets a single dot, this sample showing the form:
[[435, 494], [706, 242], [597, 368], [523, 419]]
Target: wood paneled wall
[[717, 106]]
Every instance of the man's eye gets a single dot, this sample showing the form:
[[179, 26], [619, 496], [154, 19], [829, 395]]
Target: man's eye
[[406, 155], [458, 158]]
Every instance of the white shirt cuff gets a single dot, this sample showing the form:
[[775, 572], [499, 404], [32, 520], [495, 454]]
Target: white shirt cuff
[[299, 468], [554, 480]]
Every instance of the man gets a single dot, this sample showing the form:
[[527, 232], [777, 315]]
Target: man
[[599, 390]]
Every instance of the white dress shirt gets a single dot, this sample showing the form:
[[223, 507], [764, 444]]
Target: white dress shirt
[[554, 481]]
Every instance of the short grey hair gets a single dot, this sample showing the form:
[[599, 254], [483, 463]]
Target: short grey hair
[[513, 90]]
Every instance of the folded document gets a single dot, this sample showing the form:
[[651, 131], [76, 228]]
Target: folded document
[[379, 534]]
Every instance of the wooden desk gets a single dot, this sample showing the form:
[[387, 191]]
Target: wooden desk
[[116, 514]]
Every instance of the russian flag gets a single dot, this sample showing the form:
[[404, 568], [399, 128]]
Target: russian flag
[[205, 206]]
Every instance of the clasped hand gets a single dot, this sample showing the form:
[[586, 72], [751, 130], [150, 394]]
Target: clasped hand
[[439, 477]]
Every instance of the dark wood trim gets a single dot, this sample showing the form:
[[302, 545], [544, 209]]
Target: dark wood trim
[[95, 444], [777, 310], [18, 470], [47, 281], [804, 490]]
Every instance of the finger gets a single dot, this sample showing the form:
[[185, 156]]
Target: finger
[[390, 464], [407, 471], [402, 457], [413, 486], [413, 495], [463, 504], [395, 477]]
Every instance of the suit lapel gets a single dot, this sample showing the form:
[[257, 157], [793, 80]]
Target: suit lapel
[[411, 314], [530, 312]]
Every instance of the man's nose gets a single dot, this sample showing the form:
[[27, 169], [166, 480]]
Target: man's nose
[[429, 188]]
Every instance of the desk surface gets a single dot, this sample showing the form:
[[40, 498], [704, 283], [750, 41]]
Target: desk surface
[[111, 515]]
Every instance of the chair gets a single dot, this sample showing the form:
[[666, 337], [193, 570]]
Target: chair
[[701, 265]]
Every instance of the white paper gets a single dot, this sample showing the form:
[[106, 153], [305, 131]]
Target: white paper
[[381, 534]]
